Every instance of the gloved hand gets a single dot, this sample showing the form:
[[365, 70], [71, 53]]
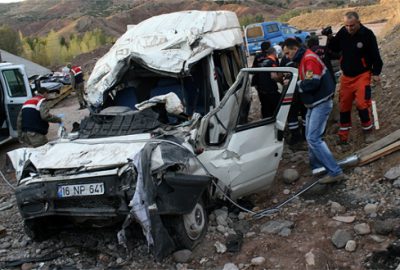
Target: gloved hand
[[327, 31], [60, 115]]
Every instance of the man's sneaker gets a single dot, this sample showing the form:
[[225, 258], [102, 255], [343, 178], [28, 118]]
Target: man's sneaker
[[333, 179]]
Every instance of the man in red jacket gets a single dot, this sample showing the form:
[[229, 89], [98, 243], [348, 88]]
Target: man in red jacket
[[316, 89], [360, 63]]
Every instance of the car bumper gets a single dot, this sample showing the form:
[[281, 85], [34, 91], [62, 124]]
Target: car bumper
[[41, 199]]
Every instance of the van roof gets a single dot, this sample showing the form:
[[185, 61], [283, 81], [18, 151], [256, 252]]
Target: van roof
[[167, 44]]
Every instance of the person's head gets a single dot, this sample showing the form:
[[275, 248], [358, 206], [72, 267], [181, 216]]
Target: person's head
[[312, 41], [290, 47], [271, 51], [69, 65], [352, 22], [265, 46], [43, 91]]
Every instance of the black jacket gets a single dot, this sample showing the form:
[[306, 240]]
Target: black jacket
[[360, 51]]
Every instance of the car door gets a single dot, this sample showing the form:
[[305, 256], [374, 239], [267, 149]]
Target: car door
[[244, 155], [16, 91]]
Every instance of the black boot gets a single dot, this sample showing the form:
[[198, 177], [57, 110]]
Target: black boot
[[295, 137]]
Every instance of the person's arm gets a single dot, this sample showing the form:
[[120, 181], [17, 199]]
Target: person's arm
[[312, 78], [71, 74], [333, 42], [46, 115], [19, 124], [375, 56]]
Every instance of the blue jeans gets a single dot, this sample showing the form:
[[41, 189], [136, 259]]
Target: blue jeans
[[319, 153]]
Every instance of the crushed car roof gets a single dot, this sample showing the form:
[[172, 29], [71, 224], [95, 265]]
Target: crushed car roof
[[168, 43]]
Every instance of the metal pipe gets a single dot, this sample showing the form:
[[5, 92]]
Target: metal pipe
[[348, 161]]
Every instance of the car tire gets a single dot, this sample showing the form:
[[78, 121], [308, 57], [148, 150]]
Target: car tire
[[188, 230], [36, 230]]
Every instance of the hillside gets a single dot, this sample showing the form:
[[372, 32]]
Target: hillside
[[39, 17], [387, 10]]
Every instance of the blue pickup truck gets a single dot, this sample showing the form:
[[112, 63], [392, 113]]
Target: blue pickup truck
[[274, 32]]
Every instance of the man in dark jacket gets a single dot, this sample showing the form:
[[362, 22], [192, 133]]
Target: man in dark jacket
[[360, 63], [266, 86], [261, 56], [33, 120], [316, 89]]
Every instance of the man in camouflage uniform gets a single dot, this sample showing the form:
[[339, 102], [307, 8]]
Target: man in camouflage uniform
[[33, 120], [77, 83]]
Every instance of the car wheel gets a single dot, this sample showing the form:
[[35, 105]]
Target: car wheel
[[188, 230], [36, 230]]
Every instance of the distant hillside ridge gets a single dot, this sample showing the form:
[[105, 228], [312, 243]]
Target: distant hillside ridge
[[39, 17], [386, 10]]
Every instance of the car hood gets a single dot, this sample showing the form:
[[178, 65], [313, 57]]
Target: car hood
[[167, 44], [81, 154]]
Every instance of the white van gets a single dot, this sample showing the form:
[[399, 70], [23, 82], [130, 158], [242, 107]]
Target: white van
[[14, 91]]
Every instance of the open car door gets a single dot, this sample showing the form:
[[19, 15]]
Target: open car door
[[243, 154], [15, 90]]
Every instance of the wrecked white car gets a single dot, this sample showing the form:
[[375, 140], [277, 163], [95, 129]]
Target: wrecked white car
[[170, 131]]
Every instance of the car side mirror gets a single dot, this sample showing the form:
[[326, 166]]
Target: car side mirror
[[298, 31]]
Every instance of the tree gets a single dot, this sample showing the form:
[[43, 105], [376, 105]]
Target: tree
[[10, 40]]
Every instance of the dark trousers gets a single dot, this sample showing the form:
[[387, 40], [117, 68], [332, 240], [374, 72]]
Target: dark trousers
[[269, 102]]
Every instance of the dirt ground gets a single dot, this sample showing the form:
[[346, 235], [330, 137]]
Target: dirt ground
[[307, 244]]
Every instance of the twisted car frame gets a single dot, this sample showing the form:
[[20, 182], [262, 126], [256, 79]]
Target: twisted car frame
[[156, 166]]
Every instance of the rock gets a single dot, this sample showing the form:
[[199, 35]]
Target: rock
[[242, 226], [383, 227], [286, 191], [250, 234], [2, 231], [182, 256], [26, 266], [340, 238], [221, 220], [258, 261], [351, 246], [337, 208], [220, 248], [221, 229], [377, 238], [396, 183], [310, 258], [230, 266], [393, 173], [242, 215], [275, 226], [358, 170], [222, 212], [290, 176], [119, 260], [211, 217], [396, 232], [370, 208], [285, 232], [5, 245], [362, 229], [345, 219]]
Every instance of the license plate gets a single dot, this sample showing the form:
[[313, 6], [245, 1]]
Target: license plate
[[80, 190]]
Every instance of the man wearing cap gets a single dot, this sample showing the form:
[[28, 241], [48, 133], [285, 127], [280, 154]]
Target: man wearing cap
[[33, 120]]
